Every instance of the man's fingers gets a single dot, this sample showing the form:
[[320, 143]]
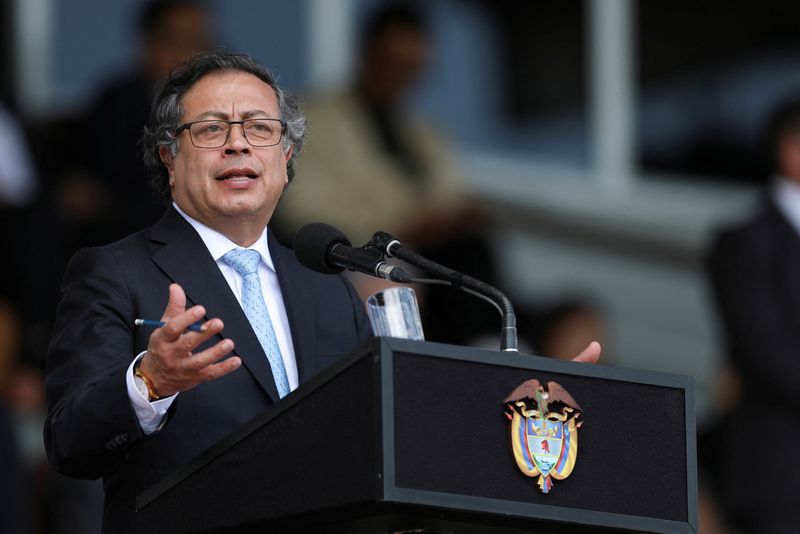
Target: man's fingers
[[176, 316], [182, 370], [176, 326], [189, 339], [217, 370], [199, 361], [207, 363], [176, 304], [590, 354]]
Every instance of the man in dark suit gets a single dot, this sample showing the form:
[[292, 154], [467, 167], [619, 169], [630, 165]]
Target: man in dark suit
[[130, 404], [755, 269]]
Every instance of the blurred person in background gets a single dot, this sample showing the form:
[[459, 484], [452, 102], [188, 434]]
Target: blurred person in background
[[18, 184], [91, 196], [755, 273], [98, 189], [169, 32], [373, 164], [14, 505], [33, 498], [18, 187]]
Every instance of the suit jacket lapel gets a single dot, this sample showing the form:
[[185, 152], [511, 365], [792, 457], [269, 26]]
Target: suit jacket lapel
[[186, 261], [300, 308]]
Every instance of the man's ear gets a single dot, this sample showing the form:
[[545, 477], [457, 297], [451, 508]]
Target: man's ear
[[167, 159], [166, 156], [288, 156]]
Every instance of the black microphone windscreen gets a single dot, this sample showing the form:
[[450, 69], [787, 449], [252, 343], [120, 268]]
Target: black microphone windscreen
[[312, 243]]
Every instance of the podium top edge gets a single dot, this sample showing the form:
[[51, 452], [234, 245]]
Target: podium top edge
[[533, 362]]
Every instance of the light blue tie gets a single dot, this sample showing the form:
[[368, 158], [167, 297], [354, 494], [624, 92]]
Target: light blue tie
[[245, 262]]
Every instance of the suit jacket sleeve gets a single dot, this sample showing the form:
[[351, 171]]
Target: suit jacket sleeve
[[90, 421]]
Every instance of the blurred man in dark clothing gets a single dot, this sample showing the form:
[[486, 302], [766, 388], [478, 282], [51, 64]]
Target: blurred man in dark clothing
[[755, 269], [170, 31], [97, 188]]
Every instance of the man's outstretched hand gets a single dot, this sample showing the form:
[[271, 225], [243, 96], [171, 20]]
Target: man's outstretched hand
[[590, 354], [170, 363]]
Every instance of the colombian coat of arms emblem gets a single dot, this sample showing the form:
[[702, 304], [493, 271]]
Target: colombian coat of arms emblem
[[544, 431]]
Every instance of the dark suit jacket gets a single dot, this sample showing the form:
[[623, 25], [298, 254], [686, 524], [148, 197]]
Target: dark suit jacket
[[755, 270], [91, 429]]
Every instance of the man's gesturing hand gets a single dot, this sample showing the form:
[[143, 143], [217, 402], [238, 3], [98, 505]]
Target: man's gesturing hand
[[169, 362]]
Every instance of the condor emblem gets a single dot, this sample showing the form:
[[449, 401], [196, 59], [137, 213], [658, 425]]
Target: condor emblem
[[544, 431]]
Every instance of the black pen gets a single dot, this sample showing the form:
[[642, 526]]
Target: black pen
[[158, 324]]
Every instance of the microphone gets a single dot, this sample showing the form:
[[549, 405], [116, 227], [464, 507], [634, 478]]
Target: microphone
[[325, 249], [392, 247]]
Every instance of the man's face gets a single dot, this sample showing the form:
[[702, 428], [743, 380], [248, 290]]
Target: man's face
[[789, 156], [394, 63], [237, 182]]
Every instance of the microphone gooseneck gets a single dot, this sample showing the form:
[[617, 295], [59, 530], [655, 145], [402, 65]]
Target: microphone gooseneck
[[394, 248]]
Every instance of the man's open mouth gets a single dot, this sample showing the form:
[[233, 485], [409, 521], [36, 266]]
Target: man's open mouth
[[238, 175]]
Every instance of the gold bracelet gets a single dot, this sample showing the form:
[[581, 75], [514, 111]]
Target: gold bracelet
[[151, 391]]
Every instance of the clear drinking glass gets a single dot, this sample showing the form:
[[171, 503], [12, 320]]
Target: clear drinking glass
[[393, 312]]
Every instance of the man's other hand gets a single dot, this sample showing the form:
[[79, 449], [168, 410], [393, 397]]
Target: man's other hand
[[590, 354]]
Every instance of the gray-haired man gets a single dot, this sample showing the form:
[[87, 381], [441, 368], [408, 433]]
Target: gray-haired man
[[131, 404]]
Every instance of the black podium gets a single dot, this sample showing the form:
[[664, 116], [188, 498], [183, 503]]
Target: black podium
[[408, 436]]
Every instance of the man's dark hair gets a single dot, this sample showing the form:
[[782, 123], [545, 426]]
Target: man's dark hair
[[152, 13], [783, 120], [403, 14], [165, 116]]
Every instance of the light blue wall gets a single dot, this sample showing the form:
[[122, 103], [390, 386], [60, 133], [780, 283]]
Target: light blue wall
[[92, 39], [272, 31]]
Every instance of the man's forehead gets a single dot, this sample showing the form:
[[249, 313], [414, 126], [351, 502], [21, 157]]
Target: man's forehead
[[219, 92]]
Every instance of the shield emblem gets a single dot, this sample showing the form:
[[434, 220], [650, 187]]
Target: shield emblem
[[544, 443]]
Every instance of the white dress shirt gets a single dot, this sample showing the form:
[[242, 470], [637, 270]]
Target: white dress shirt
[[151, 414], [786, 194]]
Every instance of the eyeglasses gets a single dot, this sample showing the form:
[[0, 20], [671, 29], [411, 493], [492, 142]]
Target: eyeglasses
[[215, 133]]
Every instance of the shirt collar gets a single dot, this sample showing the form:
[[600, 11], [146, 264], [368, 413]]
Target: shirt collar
[[219, 245]]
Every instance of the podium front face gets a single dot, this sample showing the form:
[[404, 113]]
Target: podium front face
[[412, 436]]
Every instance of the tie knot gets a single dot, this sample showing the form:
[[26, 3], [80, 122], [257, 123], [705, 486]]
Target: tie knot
[[243, 260]]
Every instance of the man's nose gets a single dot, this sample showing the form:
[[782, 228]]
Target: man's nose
[[237, 142]]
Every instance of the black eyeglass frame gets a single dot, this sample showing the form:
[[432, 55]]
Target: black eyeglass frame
[[188, 126]]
